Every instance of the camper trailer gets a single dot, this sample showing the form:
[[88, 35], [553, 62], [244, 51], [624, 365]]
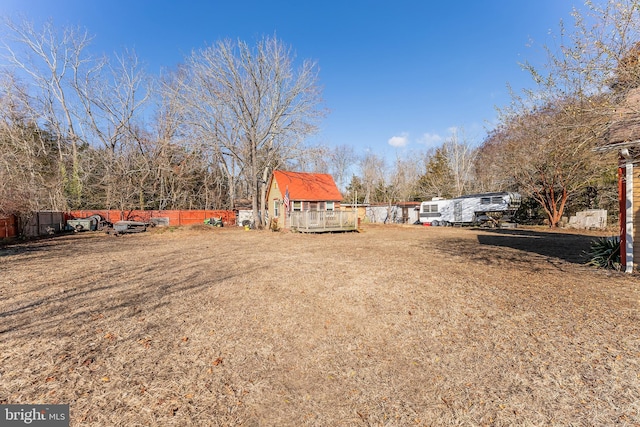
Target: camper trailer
[[489, 209]]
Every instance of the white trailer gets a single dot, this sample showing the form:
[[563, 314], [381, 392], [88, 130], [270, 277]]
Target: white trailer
[[476, 209]]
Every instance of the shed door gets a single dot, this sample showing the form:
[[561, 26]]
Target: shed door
[[405, 214]]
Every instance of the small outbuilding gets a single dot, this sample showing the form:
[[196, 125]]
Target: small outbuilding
[[393, 213], [308, 202]]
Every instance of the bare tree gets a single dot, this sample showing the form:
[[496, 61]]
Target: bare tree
[[29, 165], [190, 94], [190, 129], [342, 158], [251, 107], [404, 178], [83, 100], [373, 169], [111, 97], [314, 159], [51, 60], [461, 156], [23, 151]]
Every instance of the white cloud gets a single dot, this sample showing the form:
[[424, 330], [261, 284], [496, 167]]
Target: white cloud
[[430, 139], [400, 140]]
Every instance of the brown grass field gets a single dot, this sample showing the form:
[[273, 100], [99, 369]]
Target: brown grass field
[[392, 326]]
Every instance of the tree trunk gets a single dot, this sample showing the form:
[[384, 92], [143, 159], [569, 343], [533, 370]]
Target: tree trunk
[[263, 196]]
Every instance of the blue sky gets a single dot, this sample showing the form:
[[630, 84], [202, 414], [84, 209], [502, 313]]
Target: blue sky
[[397, 76]]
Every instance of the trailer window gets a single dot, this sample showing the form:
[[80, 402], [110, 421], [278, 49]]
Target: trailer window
[[485, 200], [496, 200], [430, 208]]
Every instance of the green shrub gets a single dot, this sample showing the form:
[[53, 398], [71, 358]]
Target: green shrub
[[605, 253]]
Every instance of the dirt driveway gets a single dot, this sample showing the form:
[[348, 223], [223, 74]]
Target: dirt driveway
[[394, 326]]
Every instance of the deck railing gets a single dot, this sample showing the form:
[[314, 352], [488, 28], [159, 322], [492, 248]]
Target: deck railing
[[320, 221]]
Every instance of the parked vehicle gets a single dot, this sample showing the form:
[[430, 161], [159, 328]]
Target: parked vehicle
[[486, 209], [216, 222], [124, 227], [90, 223]]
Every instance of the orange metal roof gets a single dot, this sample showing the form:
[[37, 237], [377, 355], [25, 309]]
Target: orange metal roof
[[307, 186]]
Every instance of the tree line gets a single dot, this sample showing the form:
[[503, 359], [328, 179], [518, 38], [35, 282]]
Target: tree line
[[80, 131]]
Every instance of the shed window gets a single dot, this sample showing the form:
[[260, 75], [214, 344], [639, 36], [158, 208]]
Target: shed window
[[297, 206], [330, 206], [276, 208]]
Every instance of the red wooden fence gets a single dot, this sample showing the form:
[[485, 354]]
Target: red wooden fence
[[175, 217]]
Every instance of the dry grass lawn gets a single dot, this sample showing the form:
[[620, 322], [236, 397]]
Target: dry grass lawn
[[393, 326]]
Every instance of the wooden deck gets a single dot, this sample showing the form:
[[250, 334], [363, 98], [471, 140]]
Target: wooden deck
[[322, 221]]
